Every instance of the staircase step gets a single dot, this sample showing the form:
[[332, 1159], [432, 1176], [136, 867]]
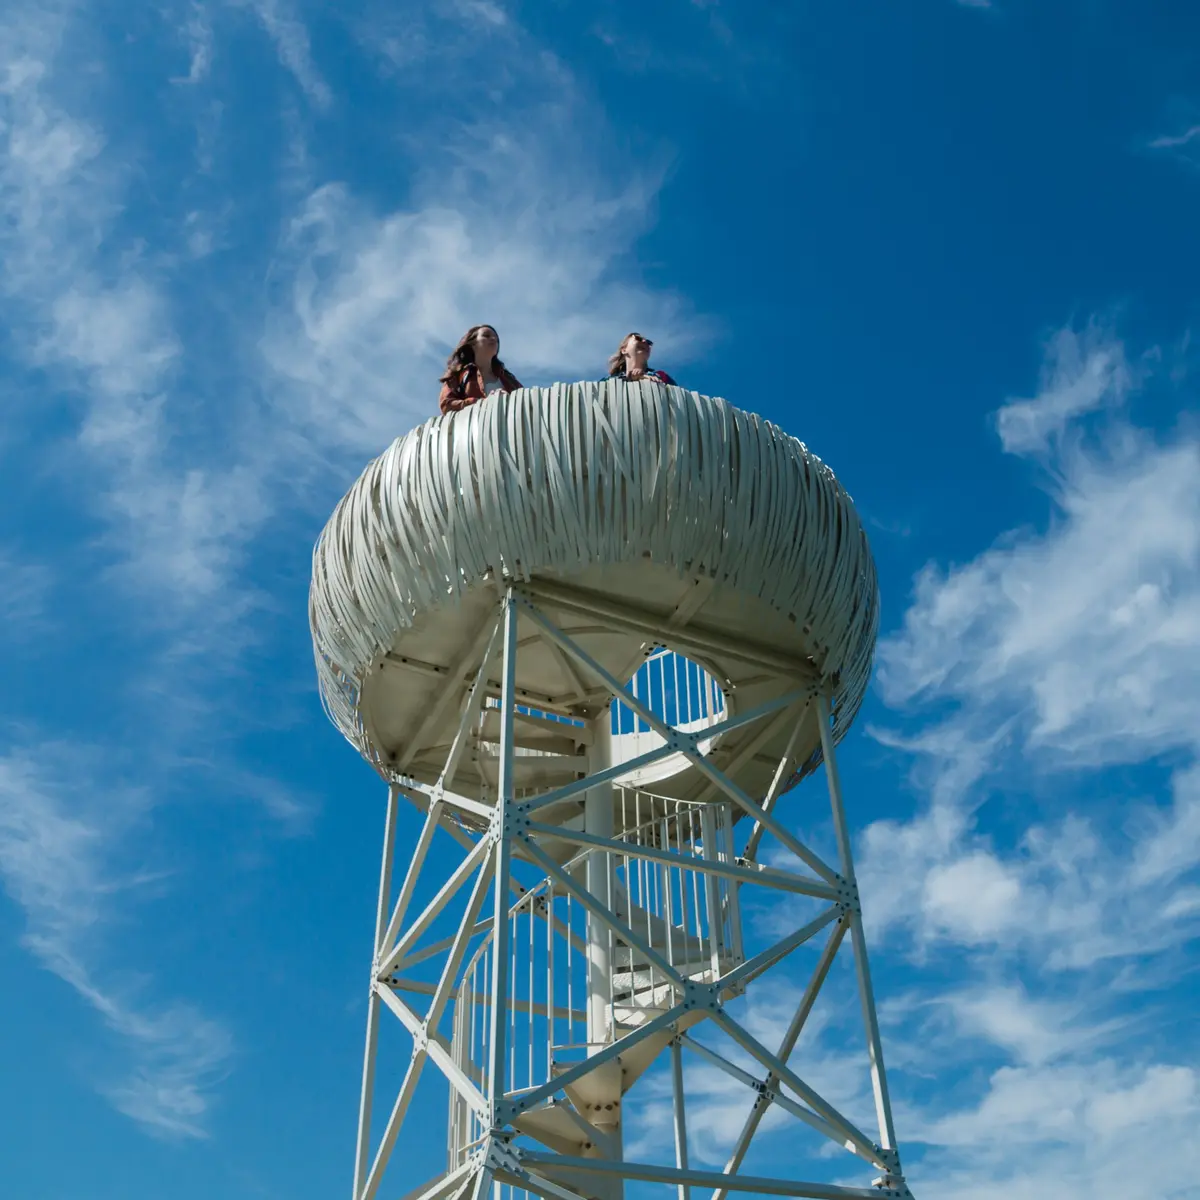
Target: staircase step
[[597, 1094], [558, 1129], [637, 1058]]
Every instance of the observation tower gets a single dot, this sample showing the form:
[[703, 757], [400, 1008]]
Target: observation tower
[[596, 634]]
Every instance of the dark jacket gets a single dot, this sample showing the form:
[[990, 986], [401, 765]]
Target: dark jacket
[[469, 389]]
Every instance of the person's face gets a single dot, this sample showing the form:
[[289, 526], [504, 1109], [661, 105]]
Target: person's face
[[637, 347], [487, 341]]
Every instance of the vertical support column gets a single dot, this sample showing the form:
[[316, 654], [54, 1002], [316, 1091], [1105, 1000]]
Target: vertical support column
[[712, 891], [733, 890], [681, 1149], [361, 1159], [883, 1104], [598, 819], [502, 849]]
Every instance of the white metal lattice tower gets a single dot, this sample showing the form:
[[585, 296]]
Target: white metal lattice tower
[[594, 633]]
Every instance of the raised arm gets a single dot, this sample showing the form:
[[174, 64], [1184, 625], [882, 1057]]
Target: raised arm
[[455, 395], [448, 402]]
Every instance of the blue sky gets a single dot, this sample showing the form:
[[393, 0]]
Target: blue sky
[[952, 247]]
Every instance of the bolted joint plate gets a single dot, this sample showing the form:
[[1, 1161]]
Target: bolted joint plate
[[892, 1183], [701, 997], [847, 897], [508, 821], [679, 742], [500, 1156], [890, 1159]]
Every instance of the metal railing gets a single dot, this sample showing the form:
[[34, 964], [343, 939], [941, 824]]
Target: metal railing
[[689, 917], [678, 691]]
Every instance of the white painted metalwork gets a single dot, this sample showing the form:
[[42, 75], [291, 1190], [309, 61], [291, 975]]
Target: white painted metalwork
[[653, 510], [593, 634]]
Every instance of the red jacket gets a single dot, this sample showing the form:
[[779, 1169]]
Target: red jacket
[[468, 389]]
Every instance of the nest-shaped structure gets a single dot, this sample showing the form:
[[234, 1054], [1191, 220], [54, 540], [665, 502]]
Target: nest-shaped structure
[[635, 494]]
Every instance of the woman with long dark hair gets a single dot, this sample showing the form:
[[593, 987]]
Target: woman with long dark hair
[[474, 370], [632, 361]]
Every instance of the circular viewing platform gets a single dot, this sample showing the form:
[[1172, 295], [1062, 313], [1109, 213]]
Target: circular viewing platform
[[636, 517]]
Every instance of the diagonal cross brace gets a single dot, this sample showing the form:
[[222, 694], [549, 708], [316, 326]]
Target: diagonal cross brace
[[685, 743], [768, 877], [799, 1019]]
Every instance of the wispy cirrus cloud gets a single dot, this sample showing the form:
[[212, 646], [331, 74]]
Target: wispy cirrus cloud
[[65, 858], [176, 445], [1082, 371], [1031, 1030], [160, 519], [292, 44], [24, 590], [1173, 141], [1182, 143], [89, 306], [512, 220], [377, 302], [197, 32]]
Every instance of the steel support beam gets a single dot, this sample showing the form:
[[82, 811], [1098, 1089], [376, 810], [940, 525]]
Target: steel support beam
[[655, 911]]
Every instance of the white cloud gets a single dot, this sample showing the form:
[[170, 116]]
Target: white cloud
[[1031, 1030], [1169, 841], [184, 1056], [479, 11], [1174, 141], [58, 845], [1181, 144], [291, 40], [121, 326], [24, 586], [1093, 626], [96, 315], [119, 340], [1068, 1132], [1082, 371], [1072, 894], [198, 32], [974, 898], [161, 468], [512, 229], [1053, 654]]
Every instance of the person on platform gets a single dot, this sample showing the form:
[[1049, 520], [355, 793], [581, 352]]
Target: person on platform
[[632, 361], [474, 370]]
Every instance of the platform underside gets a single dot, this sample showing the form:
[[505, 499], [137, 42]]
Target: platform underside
[[413, 699]]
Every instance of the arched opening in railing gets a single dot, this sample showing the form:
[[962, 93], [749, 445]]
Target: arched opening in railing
[[678, 691]]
